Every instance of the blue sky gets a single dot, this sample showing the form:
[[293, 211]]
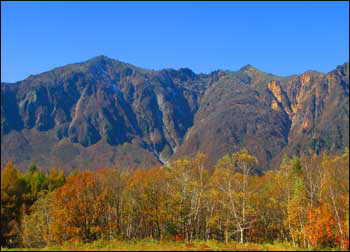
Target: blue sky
[[282, 38]]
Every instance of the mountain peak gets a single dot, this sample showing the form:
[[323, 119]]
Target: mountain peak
[[101, 61], [248, 67], [100, 58]]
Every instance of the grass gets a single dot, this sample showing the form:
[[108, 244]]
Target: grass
[[150, 245]]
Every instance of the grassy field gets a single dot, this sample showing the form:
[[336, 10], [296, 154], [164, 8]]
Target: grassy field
[[163, 246]]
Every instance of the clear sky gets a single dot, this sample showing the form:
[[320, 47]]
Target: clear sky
[[282, 38]]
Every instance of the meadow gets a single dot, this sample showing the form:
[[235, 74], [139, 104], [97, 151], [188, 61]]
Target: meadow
[[153, 245]]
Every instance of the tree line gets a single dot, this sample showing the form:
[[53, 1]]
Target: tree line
[[305, 202]]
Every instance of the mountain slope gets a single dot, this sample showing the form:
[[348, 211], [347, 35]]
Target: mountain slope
[[103, 111]]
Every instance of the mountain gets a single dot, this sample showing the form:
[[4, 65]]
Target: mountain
[[103, 111], [272, 115]]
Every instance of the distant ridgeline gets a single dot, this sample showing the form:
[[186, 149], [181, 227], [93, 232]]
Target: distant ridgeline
[[102, 111]]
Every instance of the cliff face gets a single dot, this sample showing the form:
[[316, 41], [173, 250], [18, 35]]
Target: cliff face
[[103, 111], [320, 110]]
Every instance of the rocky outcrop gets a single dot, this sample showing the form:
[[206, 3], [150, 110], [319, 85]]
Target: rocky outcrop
[[318, 107], [281, 99]]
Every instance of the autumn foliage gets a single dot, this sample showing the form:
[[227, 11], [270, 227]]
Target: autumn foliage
[[305, 203]]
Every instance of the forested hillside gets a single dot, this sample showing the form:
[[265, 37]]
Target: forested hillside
[[305, 202]]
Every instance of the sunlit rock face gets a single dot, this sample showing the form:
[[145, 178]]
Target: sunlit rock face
[[104, 112]]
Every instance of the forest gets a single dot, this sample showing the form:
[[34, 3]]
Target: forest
[[305, 202]]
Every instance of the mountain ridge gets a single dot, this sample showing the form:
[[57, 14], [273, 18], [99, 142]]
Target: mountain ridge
[[142, 117], [102, 57]]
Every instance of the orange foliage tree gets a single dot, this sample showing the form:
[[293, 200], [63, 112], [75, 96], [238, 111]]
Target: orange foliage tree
[[79, 209], [321, 227]]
